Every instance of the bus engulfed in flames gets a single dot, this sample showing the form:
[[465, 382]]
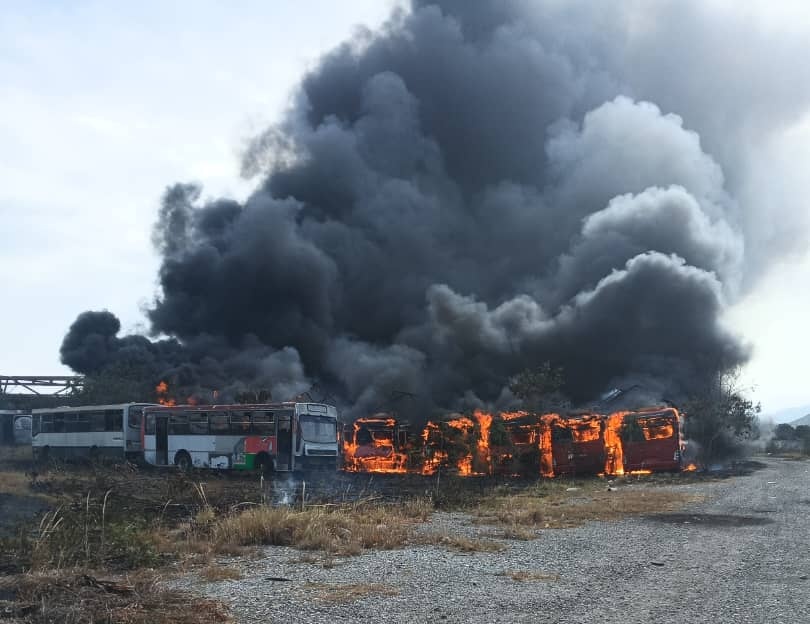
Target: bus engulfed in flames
[[521, 444]]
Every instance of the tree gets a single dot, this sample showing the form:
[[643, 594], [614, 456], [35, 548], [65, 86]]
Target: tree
[[720, 417], [540, 388], [785, 432]]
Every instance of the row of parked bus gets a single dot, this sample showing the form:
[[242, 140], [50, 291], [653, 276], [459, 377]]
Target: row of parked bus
[[281, 437], [521, 443], [292, 436]]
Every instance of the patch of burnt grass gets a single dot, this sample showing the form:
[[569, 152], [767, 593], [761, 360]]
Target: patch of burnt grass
[[77, 598], [571, 507], [71, 537], [343, 593]]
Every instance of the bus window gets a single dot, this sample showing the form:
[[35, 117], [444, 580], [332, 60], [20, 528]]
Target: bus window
[[135, 416], [97, 421], [562, 434], [320, 429], [657, 428], [218, 422], [587, 432], [198, 423], [240, 423], [178, 424], [36, 424], [113, 420], [264, 423], [58, 423], [77, 423], [149, 427]]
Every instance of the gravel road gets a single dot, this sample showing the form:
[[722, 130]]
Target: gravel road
[[741, 556]]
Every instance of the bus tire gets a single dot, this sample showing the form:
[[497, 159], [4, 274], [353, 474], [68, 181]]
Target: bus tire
[[95, 455], [263, 464], [183, 461]]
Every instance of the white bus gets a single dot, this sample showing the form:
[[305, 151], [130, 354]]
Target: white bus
[[15, 427], [87, 432], [280, 437]]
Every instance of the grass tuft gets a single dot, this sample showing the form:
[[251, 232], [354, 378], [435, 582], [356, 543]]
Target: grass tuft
[[339, 593]]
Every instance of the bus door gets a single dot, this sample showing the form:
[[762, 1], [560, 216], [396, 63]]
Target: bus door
[[162, 439], [7, 429], [285, 435]]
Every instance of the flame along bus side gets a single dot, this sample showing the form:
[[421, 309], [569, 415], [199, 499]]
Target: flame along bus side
[[282, 437], [87, 432], [652, 439]]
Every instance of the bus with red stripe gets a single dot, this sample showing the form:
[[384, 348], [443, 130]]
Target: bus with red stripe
[[277, 437]]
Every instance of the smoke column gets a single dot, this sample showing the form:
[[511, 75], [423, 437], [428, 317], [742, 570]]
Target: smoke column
[[477, 188]]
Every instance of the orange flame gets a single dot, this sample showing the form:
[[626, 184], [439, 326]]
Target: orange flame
[[162, 392], [378, 452], [614, 452]]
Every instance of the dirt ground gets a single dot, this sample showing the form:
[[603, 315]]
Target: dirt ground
[[738, 554], [727, 547]]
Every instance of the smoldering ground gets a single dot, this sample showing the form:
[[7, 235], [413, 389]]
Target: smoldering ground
[[476, 188]]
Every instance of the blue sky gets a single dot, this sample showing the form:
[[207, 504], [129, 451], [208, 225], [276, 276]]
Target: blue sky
[[102, 105]]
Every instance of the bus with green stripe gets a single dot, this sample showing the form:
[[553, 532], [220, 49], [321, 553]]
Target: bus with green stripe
[[271, 437]]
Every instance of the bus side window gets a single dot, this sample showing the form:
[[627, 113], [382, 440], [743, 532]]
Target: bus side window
[[58, 423], [178, 424], [69, 425], [77, 422], [240, 423], [562, 434], [198, 423], [149, 427], [97, 421], [113, 420], [134, 417], [264, 423], [218, 422], [46, 425]]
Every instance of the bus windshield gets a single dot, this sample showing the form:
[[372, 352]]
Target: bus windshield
[[320, 429]]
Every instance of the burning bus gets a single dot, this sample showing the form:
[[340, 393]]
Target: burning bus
[[652, 439], [520, 444], [378, 443]]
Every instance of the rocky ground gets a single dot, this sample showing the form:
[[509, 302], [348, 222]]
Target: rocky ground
[[740, 555]]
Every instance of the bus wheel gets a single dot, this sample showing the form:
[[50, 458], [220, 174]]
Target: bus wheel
[[95, 455], [263, 464], [183, 461]]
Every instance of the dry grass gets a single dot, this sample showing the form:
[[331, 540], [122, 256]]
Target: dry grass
[[338, 593], [15, 482], [531, 575], [220, 573], [136, 599], [564, 509], [517, 533], [340, 530], [460, 543]]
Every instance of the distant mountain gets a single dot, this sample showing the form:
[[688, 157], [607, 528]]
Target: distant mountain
[[804, 420], [792, 415]]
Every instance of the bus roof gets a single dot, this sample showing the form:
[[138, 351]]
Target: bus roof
[[87, 408], [232, 406]]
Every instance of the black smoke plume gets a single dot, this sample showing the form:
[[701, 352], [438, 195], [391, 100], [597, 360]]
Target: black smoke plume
[[477, 188]]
